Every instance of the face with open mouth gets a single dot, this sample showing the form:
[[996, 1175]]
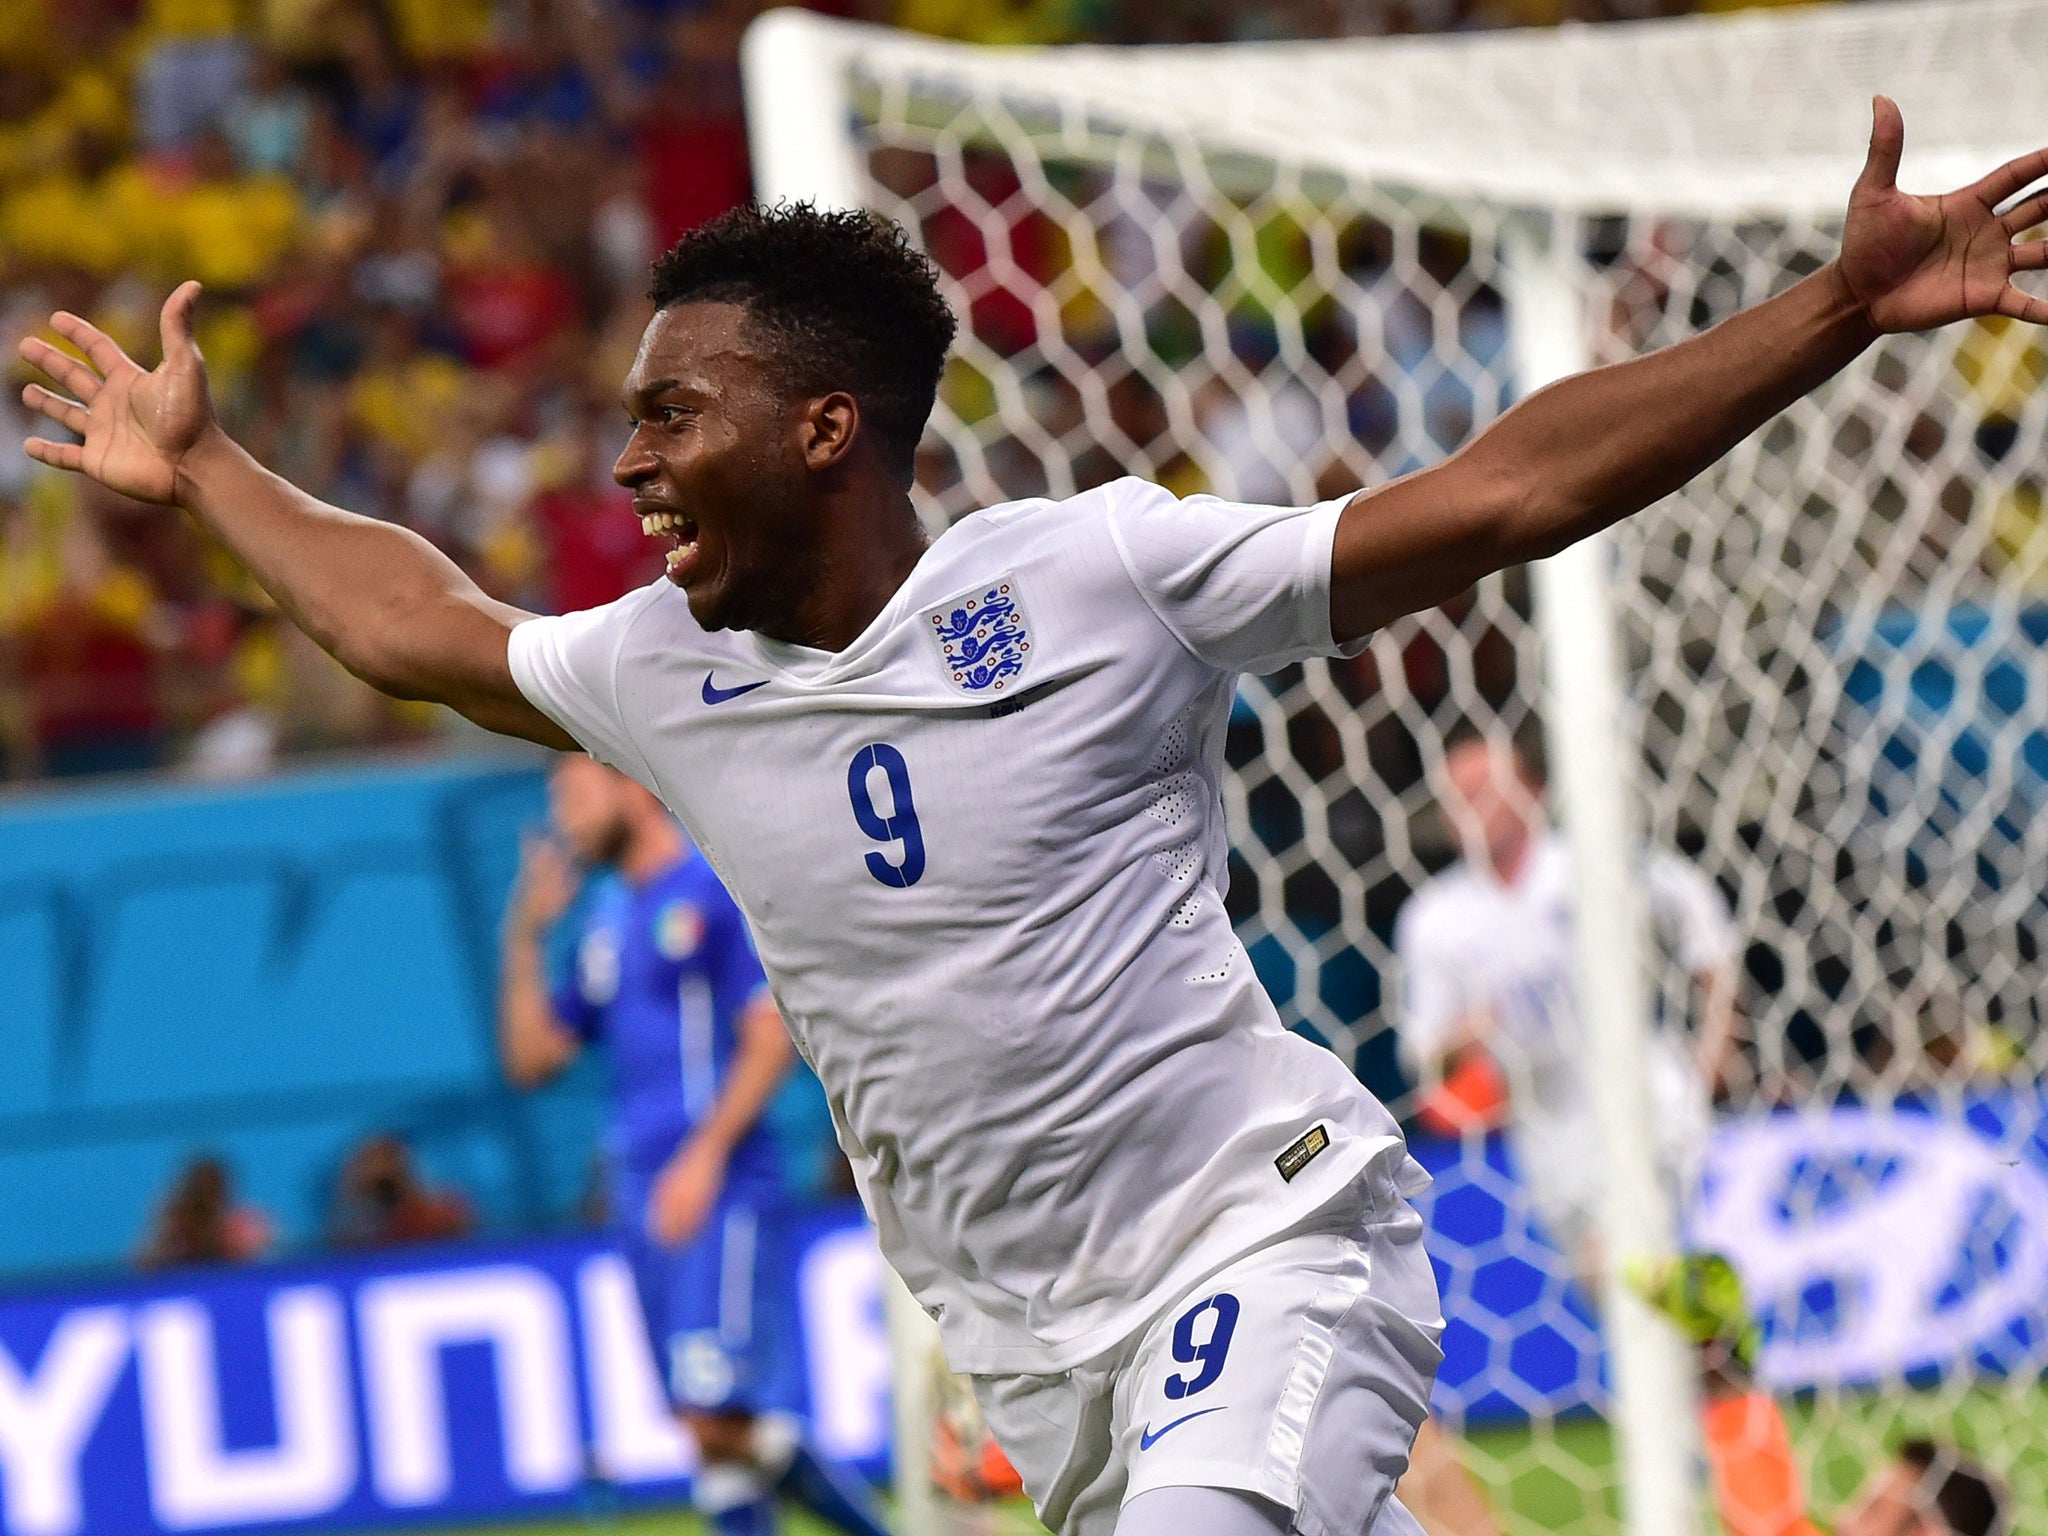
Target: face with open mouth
[[715, 469], [681, 532]]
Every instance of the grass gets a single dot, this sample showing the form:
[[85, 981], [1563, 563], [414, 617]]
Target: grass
[[1560, 1477]]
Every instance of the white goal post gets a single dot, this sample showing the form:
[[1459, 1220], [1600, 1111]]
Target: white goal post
[[1276, 270]]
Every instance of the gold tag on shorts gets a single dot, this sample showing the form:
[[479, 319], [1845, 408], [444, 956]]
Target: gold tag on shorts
[[1302, 1153]]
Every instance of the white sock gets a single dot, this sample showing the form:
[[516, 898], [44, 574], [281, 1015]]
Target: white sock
[[719, 1486], [776, 1437]]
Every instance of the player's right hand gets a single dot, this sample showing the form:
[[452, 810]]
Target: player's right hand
[[138, 427], [546, 885]]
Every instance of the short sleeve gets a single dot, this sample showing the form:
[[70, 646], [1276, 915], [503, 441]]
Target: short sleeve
[[1245, 588], [1692, 912], [1432, 994], [567, 666]]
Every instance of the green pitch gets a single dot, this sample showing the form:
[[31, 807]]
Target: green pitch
[[1560, 1478]]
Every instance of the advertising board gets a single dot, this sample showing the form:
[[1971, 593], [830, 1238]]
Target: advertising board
[[490, 1381], [470, 1382]]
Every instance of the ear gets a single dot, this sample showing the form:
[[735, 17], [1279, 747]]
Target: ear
[[828, 429]]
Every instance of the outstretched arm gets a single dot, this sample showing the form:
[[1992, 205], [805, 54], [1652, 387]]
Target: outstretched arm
[[1592, 449], [380, 599]]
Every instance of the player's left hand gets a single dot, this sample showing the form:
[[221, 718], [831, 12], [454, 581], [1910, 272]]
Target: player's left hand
[[1914, 263], [685, 1193]]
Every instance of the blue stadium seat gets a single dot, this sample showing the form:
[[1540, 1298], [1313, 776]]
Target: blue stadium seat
[[180, 999], [270, 974], [382, 964]]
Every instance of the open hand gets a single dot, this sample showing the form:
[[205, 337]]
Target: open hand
[[137, 426], [1919, 262]]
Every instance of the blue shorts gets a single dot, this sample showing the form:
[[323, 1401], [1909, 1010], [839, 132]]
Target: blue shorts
[[721, 1309]]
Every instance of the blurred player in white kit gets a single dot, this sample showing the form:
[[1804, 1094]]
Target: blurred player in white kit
[[1486, 988], [966, 790]]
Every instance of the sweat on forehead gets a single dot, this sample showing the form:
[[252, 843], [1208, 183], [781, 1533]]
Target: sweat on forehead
[[696, 348]]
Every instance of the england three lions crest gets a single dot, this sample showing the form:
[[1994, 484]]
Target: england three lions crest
[[984, 640]]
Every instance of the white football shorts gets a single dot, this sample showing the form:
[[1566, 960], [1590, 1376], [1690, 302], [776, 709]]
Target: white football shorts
[[1299, 1373]]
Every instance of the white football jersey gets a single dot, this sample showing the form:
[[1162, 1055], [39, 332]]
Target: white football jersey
[[983, 854], [1469, 944]]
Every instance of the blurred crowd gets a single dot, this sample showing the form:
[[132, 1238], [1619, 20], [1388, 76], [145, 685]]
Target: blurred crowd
[[424, 226], [380, 1200], [424, 229]]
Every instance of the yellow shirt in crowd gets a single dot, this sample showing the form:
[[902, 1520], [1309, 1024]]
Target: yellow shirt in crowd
[[408, 407], [228, 234], [1008, 22], [189, 19]]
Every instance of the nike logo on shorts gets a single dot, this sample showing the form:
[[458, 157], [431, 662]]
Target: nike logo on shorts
[[713, 694], [1149, 1437]]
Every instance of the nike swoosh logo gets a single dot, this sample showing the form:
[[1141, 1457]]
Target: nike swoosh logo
[[1149, 1437], [713, 694]]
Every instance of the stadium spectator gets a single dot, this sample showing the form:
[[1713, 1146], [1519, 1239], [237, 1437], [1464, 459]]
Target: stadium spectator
[[1260, 451], [193, 63], [1002, 22], [201, 1222], [380, 101], [82, 635], [70, 206], [506, 301], [591, 539], [381, 1201], [691, 138], [227, 228], [269, 121]]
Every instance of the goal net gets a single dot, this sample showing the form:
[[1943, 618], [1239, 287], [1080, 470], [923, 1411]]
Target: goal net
[[1819, 674]]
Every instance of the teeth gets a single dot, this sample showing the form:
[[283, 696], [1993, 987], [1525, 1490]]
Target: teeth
[[660, 522]]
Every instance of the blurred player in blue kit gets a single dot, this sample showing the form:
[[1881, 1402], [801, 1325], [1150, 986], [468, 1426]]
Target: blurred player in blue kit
[[666, 978]]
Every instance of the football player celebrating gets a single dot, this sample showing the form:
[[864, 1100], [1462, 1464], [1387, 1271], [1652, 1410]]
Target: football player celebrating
[[966, 790]]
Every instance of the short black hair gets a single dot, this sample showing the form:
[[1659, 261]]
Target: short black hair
[[843, 297], [1964, 1494]]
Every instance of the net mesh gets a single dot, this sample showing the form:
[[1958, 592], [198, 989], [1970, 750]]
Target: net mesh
[[1836, 640], [1712, 116]]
